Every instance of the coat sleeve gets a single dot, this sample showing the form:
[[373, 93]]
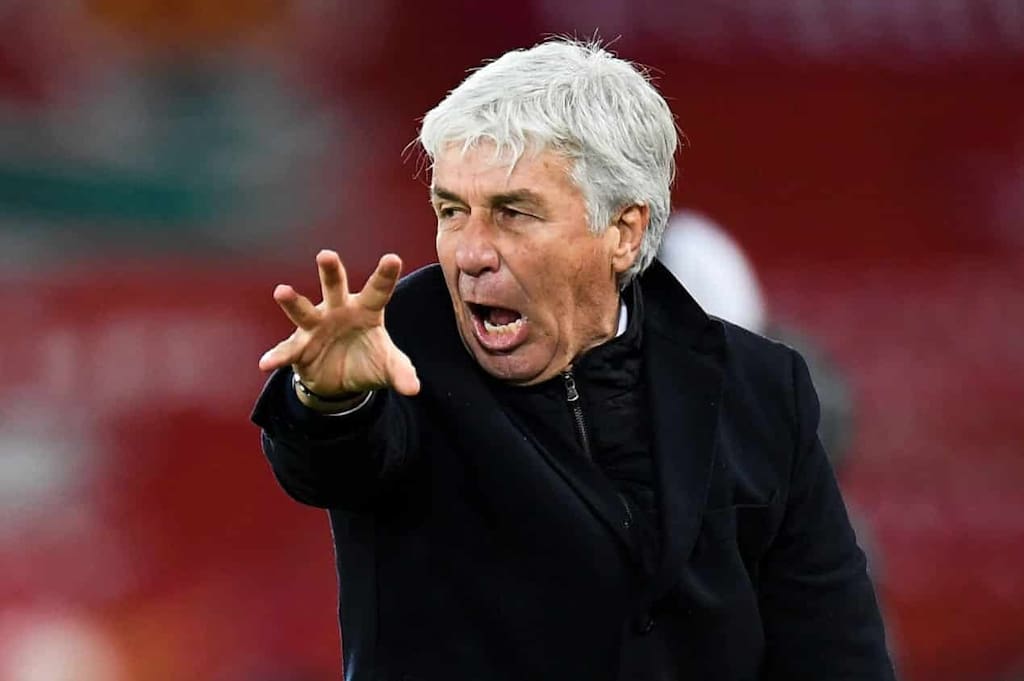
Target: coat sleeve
[[344, 462], [820, 614]]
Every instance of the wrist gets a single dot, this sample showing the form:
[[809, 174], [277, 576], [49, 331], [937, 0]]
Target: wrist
[[327, 404]]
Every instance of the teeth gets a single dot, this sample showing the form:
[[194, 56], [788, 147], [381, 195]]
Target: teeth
[[511, 327]]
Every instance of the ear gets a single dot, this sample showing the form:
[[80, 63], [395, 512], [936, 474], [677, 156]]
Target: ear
[[629, 229]]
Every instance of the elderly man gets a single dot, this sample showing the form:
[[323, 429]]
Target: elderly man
[[548, 462]]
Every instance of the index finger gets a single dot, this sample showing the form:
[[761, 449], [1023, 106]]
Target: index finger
[[381, 284]]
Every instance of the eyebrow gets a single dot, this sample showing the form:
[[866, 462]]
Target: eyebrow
[[516, 196]]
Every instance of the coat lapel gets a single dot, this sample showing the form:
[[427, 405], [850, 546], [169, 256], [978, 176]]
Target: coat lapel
[[463, 387], [684, 356], [580, 475]]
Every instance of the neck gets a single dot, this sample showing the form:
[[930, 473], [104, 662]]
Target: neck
[[607, 327]]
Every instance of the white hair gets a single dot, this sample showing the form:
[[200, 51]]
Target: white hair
[[579, 100]]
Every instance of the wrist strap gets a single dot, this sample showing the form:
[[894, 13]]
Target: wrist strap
[[343, 400]]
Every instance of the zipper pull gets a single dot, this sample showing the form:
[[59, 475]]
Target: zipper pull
[[570, 386], [576, 406]]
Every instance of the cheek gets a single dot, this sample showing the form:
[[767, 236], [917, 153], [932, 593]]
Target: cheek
[[557, 272], [446, 256], [592, 280]]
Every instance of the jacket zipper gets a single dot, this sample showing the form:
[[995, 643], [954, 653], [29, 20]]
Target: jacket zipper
[[572, 395]]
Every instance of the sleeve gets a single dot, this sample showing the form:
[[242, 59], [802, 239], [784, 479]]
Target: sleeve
[[820, 614], [334, 461]]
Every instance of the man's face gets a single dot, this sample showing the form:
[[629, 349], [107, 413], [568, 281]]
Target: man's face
[[531, 285]]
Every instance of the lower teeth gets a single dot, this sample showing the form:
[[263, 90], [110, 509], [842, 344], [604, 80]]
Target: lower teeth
[[502, 329]]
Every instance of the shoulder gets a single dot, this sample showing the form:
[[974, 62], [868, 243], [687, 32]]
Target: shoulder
[[419, 316], [422, 286], [761, 362], [764, 370], [421, 297], [769, 405], [747, 359]]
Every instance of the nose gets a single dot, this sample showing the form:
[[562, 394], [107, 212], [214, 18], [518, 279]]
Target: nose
[[476, 253]]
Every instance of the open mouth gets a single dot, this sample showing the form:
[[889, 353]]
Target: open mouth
[[498, 329]]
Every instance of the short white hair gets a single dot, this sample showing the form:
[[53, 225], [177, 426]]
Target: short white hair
[[577, 99]]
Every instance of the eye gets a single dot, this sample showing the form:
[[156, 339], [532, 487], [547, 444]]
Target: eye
[[446, 212], [508, 212]]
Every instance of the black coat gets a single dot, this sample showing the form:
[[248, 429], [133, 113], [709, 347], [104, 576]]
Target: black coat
[[468, 552]]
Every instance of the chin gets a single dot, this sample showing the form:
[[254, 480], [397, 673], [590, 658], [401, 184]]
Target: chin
[[512, 368], [506, 368]]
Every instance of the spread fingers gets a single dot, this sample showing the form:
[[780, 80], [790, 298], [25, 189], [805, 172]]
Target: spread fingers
[[298, 308], [381, 284], [333, 281]]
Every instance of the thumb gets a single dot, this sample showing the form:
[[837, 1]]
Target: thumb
[[402, 374]]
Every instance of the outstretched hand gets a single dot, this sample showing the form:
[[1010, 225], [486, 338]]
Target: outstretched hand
[[340, 346]]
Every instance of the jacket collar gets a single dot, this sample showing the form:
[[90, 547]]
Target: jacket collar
[[684, 357]]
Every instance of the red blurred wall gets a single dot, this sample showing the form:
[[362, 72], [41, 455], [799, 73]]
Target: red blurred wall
[[880, 200]]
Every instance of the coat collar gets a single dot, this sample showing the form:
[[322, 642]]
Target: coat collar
[[684, 356]]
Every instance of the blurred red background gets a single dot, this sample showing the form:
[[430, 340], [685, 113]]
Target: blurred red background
[[163, 165]]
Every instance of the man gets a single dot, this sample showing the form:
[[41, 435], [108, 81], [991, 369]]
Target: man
[[549, 463]]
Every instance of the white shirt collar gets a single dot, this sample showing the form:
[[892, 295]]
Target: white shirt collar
[[623, 318]]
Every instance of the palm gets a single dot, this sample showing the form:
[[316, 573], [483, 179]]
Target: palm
[[352, 362], [341, 345]]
